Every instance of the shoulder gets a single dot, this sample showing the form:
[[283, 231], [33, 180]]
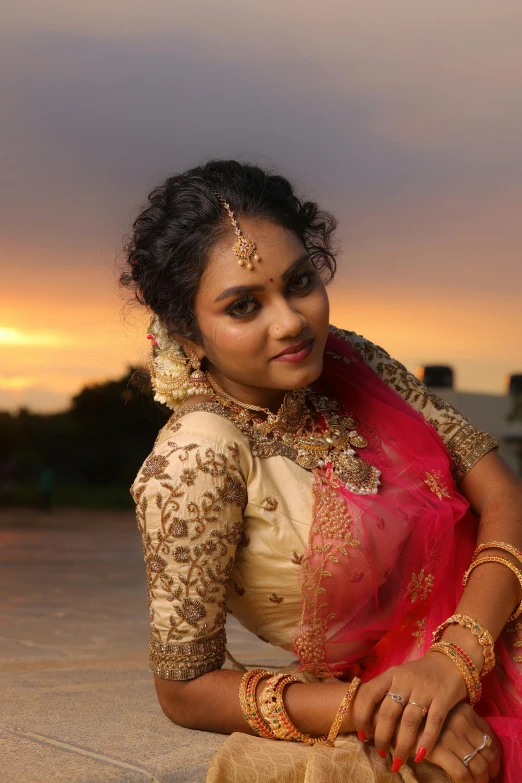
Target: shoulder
[[390, 370], [368, 351], [198, 448], [204, 421], [466, 442]]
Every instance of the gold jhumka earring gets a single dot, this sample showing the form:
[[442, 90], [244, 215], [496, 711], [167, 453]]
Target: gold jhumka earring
[[197, 380]]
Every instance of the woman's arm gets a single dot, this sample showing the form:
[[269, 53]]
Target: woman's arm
[[211, 703], [491, 595], [493, 591]]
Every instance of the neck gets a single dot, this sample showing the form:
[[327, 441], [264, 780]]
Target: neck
[[271, 399]]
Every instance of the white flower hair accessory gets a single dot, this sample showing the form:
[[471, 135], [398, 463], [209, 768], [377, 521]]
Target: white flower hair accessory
[[169, 367]]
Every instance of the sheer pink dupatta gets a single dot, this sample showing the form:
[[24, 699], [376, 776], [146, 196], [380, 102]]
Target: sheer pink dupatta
[[382, 571]]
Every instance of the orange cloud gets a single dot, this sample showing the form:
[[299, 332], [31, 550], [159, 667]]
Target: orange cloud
[[15, 336]]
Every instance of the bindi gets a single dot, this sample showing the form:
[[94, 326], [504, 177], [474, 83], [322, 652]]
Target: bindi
[[270, 279]]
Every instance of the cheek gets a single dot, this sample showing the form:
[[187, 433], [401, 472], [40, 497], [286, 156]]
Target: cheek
[[317, 305], [234, 339]]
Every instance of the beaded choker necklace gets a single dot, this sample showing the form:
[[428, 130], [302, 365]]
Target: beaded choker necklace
[[295, 425]]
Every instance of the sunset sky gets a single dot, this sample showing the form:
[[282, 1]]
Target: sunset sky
[[404, 118]]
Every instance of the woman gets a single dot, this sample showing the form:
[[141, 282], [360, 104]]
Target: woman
[[311, 486]]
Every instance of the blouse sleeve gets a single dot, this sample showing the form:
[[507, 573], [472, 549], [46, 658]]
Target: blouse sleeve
[[189, 494], [466, 443]]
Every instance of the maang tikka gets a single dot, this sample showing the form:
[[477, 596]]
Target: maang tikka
[[245, 249]]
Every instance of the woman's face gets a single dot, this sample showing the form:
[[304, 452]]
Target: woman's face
[[248, 317]]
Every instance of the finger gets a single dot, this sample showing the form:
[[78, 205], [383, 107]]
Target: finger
[[493, 753], [437, 714], [445, 758], [479, 769], [388, 715], [368, 696], [462, 743], [364, 714], [490, 754], [409, 726]]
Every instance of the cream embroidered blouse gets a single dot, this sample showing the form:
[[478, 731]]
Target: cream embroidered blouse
[[224, 523]]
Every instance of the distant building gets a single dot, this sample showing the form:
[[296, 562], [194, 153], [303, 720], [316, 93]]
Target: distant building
[[488, 412]]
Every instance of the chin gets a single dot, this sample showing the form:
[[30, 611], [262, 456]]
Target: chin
[[302, 376]]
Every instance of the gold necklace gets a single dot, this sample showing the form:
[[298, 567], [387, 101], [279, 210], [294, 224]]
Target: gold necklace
[[291, 407], [295, 426]]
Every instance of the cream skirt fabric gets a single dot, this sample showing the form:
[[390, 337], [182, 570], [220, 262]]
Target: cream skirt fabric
[[246, 759], [243, 758]]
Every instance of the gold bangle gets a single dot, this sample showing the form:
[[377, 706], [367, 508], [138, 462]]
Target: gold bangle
[[273, 710], [341, 712], [473, 684], [509, 564], [482, 634], [498, 545], [247, 700]]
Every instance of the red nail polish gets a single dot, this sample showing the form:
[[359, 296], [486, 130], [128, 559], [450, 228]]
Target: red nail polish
[[382, 753], [397, 764], [420, 754], [362, 736]]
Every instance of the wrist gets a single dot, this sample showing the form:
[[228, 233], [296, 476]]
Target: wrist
[[462, 636], [348, 723], [451, 673]]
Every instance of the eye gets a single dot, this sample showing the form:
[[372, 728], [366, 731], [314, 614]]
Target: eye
[[239, 309], [304, 276]]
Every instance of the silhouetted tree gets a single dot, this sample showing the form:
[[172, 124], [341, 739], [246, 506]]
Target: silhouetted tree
[[101, 440]]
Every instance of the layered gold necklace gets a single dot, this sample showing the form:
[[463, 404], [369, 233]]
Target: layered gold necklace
[[296, 426]]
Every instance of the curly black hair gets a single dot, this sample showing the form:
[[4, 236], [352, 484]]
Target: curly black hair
[[166, 253]]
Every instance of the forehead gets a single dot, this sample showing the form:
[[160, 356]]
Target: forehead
[[276, 247]]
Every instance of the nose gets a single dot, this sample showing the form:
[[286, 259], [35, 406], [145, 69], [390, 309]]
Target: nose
[[287, 321]]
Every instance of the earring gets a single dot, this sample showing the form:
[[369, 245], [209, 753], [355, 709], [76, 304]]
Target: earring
[[197, 381]]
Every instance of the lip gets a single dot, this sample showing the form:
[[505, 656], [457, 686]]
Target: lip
[[296, 353]]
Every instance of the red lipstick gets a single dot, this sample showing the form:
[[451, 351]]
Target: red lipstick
[[295, 353]]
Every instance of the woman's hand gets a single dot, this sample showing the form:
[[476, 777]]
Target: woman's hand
[[433, 681], [464, 731]]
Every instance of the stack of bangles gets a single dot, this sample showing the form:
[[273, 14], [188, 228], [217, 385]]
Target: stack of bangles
[[271, 720], [472, 676]]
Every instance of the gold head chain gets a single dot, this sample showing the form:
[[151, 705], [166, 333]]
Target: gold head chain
[[245, 249]]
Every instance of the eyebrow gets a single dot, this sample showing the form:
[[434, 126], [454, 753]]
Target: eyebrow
[[246, 289]]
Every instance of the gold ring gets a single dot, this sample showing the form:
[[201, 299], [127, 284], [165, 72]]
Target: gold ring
[[423, 708]]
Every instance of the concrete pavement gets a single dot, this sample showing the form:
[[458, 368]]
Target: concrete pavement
[[77, 699]]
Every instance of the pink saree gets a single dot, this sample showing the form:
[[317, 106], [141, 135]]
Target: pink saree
[[382, 571]]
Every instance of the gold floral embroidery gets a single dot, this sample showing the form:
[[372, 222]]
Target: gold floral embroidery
[[436, 487], [298, 430], [420, 633], [276, 599], [237, 588], [420, 586], [467, 446], [186, 661], [466, 443], [270, 504], [154, 467], [339, 356], [330, 520], [199, 543]]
